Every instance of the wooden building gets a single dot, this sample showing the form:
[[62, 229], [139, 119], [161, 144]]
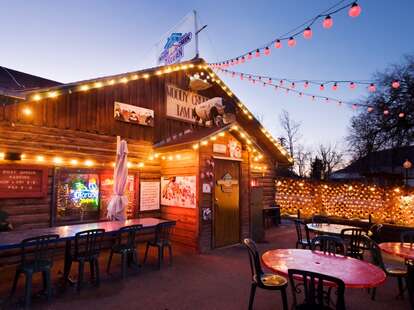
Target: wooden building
[[196, 153]]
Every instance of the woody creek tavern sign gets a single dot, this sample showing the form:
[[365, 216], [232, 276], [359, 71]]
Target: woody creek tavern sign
[[226, 183]]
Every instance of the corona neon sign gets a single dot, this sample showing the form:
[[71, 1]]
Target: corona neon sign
[[85, 194]]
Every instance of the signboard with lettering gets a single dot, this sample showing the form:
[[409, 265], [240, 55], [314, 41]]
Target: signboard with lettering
[[23, 182], [149, 196]]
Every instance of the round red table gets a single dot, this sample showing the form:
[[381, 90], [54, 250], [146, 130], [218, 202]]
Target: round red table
[[404, 250], [355, 273]]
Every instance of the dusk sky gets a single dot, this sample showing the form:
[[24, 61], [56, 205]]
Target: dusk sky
[[76, 40]]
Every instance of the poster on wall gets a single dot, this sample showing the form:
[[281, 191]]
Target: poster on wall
[[179, 44], [149, 196], [132, 114], [178, 191], [21, 181], [107, 190], [191, 107]]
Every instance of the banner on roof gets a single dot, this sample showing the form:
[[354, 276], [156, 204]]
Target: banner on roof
[[179, 44]]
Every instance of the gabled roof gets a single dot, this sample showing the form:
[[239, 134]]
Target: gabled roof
[[196, 64], [15, 83]]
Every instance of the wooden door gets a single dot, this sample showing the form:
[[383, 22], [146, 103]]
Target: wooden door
[[226, 203]]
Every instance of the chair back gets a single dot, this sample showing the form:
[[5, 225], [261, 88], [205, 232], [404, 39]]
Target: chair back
[[320, 219], [374, 232], [356, 239], [329, 244], [407, 237], [163, 232], [299, 232], [88, 243], [313, 289], [39, 250], [127, 234], [254, 259], [375, 251]]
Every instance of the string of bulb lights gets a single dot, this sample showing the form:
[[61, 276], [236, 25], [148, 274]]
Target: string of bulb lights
[[354, 10], [279, 84], [306, 83]]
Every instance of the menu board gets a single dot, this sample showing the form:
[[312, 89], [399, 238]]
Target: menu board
[[23, 182], [149, 196]]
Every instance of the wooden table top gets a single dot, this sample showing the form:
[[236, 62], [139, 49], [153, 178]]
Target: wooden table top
[[12, 239], [404, 250], [329, 229], [354, 272]]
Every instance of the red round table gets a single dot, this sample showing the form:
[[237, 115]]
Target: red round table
[[355, 273], [404, 250]]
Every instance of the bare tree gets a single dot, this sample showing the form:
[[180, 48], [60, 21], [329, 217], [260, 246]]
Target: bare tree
[[302, 161], [291, 130], [332, 158]]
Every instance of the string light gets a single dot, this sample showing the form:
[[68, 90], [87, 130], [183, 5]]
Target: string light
[[307, 34], [355, 10], [327, 22]]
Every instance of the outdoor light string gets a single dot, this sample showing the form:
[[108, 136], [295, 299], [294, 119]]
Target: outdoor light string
[[269, 81], [354, 11]]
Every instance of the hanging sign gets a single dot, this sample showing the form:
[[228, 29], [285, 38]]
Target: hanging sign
[[149, 196], [133, 114], [21, 181], [219, 148], [226, 183], [179, 44]]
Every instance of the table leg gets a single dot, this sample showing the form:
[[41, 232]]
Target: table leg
[[67, 264], [410, 282]]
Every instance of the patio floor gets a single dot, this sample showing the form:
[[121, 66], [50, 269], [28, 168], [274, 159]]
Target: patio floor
[[218, 280]]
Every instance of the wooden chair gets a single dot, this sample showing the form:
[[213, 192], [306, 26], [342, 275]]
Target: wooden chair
[[263, 280], [87, 249], [398, 272], [312, 286], [329, 244], [36, 256], [356, 242], [303, 239], [125, 246], [162, 240]]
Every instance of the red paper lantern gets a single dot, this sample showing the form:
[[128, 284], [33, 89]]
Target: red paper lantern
[[307, 34], [372, 87], [321, 87], [395, 84], [267, 51], [291, 42], [355, 10], [278, 44], [257, 54], [327, 22], [334, 86]]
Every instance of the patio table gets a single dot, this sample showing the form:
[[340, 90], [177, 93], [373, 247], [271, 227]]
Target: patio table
[[354, 272], [404, 250], [328, 229], [12, 239]]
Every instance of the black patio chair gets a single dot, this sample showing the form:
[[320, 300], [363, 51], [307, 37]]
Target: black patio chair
[[398, 272], [267, 281], [356, 242], [312, 286], [36, 256], [162, 240], [320, 219], [87, 249], [407, 237], [303, 238], [329, 244], [374, 232], [125, 246]]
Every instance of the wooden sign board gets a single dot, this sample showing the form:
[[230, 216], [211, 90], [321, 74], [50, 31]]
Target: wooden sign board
[[23, 181]]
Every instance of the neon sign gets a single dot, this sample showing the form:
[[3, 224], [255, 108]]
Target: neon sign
[[85, 192]]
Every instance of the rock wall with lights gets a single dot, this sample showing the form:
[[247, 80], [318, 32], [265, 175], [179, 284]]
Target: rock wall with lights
[[392, 205]]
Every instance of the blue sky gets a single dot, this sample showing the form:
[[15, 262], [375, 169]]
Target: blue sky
[[76, 40]]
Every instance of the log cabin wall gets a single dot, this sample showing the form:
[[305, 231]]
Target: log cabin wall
[[186, 230]]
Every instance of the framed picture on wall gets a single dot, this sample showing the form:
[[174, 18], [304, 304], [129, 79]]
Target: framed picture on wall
[[179, 191], [149, 196]]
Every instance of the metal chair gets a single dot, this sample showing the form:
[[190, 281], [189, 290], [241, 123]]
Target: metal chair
[[125, 246], [398, 272], [313, 289], [329, 244], [263, 280], [87, 249], [321, 219], [36, 256], [374, 232], [163, 232], [356, 242], [303, 240]]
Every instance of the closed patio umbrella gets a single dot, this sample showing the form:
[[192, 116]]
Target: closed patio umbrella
[[119, 201]]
